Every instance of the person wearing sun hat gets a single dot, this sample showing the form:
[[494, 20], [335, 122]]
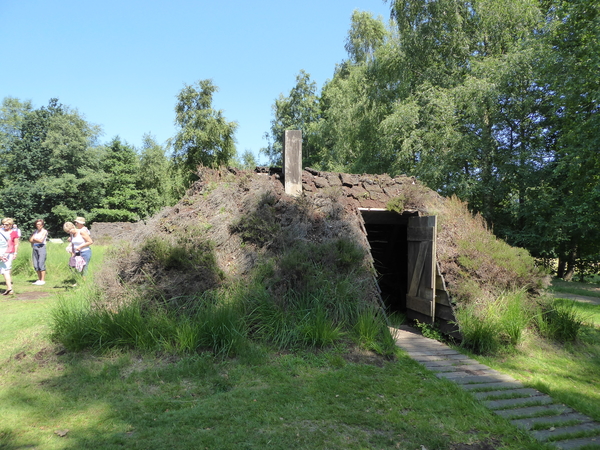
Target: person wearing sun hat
[[81, 241], [80, 224]]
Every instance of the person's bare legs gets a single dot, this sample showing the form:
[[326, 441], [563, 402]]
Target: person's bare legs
[[8, 280]]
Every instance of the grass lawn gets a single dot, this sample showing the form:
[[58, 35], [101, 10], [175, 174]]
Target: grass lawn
[[574, 287], [333, 399], [570, 373], [262, 400]]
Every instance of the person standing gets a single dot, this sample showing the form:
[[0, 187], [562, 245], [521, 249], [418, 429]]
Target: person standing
[[9, 246], [80, 241], [38, 242], [16, 228]]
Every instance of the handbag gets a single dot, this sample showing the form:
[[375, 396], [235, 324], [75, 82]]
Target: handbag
[[76, 261]]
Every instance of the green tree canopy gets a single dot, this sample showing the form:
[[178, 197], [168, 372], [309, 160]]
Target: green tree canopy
[[205, 137], [53, 168], [300, 110], [495, 101]]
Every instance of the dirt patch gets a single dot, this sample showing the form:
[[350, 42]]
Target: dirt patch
[[489, 444], [30, 295], [360, 356]]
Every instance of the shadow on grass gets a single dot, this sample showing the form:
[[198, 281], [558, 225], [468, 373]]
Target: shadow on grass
[[126, 401]]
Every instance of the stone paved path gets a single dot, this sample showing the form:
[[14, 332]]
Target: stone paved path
[[526, 408], [579, 298]]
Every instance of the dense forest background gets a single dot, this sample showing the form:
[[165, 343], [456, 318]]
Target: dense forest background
[[494, 101]]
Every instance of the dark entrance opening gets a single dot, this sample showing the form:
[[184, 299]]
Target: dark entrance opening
[[387, 235]]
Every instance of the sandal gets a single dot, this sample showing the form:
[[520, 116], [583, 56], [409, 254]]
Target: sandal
[[8, 292]]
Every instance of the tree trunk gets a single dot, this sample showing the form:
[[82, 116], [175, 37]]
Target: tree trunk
[[571, 258], [562, 264]]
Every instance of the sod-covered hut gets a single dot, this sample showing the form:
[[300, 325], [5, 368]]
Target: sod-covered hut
[[392, 241]]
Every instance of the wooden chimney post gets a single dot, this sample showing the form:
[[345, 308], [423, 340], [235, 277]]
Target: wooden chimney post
[[292, 162]]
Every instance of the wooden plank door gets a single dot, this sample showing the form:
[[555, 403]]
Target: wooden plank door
[[421, 253]]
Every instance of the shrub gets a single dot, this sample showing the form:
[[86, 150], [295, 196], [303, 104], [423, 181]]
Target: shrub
[[396, 204], [308, 266], [261, 225]]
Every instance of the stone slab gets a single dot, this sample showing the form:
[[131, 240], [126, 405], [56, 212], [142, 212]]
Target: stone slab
[[544, 435], [431, 352], [573, 444], [468, 379], [468, 368], [548, 420], [529, 411], [438, 358], [468, 373], [523, 392], [512, 402], [512, 384], [451, 363]]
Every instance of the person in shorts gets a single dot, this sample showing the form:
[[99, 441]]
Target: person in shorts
[[9, 245]]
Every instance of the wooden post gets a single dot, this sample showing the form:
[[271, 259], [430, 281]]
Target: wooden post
[[292, 162]]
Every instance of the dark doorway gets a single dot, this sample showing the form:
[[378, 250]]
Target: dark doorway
[[387, 235]]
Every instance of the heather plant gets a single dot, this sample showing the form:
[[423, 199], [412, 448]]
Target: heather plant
[[310, 267], [260, 226], [180, 265]]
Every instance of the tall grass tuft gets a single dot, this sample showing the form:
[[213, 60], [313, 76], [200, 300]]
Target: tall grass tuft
[[317, 330], [479, 333], [489, 327], [72, 324], [269, 322], [79, 323], [559, 320], [222, 329], [372, 332], [513, 316]]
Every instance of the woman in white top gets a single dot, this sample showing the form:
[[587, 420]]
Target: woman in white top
[[80, 242]]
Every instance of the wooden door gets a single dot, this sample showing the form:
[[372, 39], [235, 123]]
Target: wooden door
[[421, 253]]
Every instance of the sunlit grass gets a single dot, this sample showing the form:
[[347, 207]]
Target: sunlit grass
[[569, 372], [310, 399], [574, 287], [125, 400]]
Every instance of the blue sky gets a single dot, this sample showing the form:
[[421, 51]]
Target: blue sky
[[121, 63]]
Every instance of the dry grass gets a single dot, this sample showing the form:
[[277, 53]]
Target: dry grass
[[477, 265]]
